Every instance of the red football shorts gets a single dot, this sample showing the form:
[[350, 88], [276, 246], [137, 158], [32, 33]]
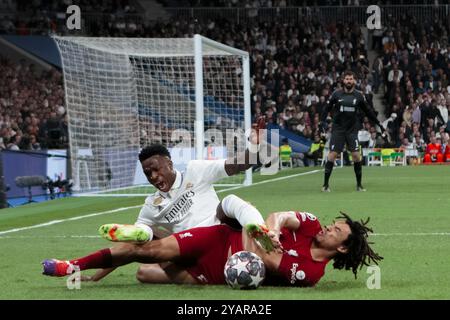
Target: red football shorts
[[207, 248]]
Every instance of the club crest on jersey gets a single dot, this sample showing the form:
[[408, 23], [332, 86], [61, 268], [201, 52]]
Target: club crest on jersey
[[157, 201], [189, 185], [300, 275], [292, 253]]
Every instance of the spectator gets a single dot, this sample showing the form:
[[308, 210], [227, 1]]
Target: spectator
[[433, 152], [315, 152], [14, 143], [446, 147]]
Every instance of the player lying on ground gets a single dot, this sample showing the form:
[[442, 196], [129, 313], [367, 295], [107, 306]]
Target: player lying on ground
[[183, 200], [302, 250], [231, 210]]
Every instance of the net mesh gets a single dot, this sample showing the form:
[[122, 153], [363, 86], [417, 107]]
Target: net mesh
[[123, 94]]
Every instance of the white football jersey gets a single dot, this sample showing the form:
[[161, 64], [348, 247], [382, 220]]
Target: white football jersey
[[190, 203]]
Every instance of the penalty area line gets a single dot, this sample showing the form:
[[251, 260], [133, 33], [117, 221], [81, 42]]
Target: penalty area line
[[270, 180]]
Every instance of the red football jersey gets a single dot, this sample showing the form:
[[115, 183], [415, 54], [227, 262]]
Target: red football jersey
[[447, 151], [297, 267], [433, 148]]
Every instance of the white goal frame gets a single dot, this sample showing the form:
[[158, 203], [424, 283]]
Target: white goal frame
[[202, 47]]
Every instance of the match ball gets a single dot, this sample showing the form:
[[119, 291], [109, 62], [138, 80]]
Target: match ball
[[244, 270]]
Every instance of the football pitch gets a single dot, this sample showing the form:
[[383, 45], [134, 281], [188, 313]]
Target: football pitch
[[409, 209]]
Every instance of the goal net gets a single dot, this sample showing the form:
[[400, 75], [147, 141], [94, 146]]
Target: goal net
[[122, 94]]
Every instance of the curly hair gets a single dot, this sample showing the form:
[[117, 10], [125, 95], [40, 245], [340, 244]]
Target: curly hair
[[359, 252], [153, 150]]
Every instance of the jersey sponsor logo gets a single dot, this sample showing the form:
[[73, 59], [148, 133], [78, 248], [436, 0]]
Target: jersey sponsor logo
[[294, 272], [180, 208], [347, 109], [300, 275], [185, 235]]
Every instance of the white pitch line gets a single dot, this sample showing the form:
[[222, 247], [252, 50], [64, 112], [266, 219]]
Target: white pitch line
[[49, 237], [45, 224], [99, 195], [270, 180]]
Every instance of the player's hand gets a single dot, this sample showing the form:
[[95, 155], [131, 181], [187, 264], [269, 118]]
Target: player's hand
[[86, 278], [256, 134], [275, 237]]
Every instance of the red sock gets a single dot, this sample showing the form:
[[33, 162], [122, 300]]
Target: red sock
[[97, 260]]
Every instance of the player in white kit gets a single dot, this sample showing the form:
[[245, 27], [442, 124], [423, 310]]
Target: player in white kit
[[183, 200]]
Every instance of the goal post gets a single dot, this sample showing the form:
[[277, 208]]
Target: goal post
[[122, 94]]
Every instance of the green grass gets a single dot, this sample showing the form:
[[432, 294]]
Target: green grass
[[403, 202]]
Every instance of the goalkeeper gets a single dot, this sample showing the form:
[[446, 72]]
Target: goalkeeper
[[183, 200]]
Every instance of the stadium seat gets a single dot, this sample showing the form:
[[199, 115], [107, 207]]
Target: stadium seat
[[412, 154], [286, 161], [397, 157], [285, 155], [374, 159]]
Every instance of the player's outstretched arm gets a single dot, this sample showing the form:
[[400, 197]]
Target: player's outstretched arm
[[271, 259], [275, 221], [371, 114], [252, 155], [283, 219]]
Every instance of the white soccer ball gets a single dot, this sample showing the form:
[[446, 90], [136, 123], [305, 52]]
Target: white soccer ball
[[244, 270]]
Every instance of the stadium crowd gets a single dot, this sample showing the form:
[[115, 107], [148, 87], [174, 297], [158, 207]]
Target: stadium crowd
[[414, 68], [41, 17], [32, 113], [295, 68], [287, 3]]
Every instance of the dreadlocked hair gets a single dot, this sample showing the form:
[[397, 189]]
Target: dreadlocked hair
[[359, 252]]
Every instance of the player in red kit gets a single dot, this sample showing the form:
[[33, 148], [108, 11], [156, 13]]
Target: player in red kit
[[302, 250], [433, 153]]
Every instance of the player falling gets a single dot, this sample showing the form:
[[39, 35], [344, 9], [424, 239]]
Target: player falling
[[301, 250]]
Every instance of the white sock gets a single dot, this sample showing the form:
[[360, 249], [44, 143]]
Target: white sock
[[236, 208]]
